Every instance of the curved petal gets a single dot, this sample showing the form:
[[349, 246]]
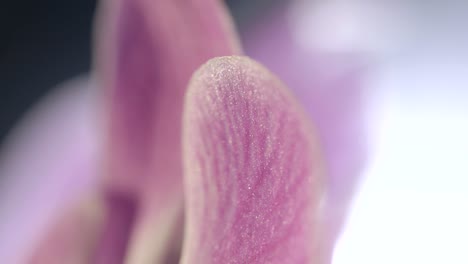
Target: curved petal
[[146, 53], [46, 165], [253, 171], [331, 87]]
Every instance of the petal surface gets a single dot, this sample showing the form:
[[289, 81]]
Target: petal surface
[[331, 87], [253, 171]]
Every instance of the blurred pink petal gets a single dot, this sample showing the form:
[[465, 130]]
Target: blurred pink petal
[[48, 163], [74, 237], [147, 51], [254, 176]]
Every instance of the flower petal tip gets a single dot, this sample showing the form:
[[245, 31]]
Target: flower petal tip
[[253, 172]]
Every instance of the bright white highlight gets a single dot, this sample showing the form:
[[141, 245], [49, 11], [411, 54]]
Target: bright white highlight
[[413, 206]]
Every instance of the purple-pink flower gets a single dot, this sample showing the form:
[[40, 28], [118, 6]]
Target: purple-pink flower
[[178, 148]]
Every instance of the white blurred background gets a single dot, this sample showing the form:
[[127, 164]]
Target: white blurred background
[[412, 206]]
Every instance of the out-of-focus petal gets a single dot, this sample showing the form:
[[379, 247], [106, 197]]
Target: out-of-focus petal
[[253, 171], [146, 52], [46, 165], [72, 238]]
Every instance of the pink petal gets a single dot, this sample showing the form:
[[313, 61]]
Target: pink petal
[[331, 88], [48, 163], [254, 174], [147, 51], [73, 238]]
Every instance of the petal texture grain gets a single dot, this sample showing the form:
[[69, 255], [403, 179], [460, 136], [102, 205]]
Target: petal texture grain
[[332, 88], [254, 179]]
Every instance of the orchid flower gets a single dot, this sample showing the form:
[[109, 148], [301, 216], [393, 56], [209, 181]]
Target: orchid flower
[[177, 148]]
